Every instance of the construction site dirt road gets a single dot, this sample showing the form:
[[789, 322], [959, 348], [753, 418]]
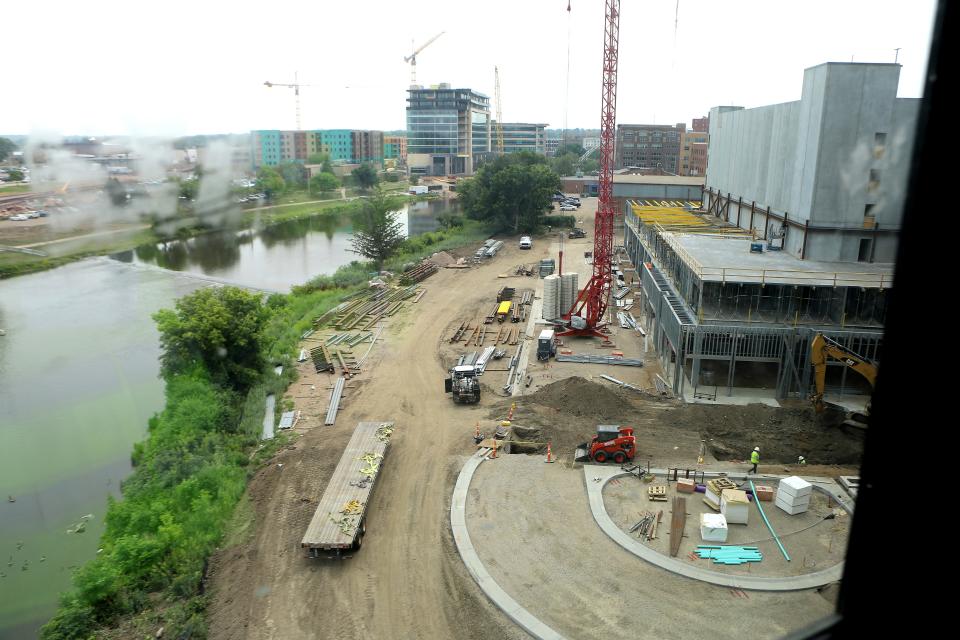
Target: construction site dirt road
[[408, 581]]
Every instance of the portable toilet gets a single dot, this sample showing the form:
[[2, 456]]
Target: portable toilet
[[545, 345]]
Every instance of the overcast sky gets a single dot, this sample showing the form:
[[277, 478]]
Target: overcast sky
[[174, 67]]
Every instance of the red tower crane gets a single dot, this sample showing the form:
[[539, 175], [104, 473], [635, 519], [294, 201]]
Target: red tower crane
[[586, 314]]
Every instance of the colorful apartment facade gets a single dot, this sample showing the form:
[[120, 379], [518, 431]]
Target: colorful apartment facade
[[395, 148], [347, 146]]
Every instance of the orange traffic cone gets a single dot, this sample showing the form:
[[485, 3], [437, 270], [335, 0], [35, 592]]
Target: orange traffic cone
[[513, 405], [493, 454], [550, 457]]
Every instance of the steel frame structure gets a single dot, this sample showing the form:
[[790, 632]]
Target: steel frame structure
[[591, 303]]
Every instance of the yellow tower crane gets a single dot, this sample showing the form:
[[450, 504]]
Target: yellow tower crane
[[295, 85]]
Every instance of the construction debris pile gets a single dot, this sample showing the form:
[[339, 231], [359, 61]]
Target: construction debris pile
[[646, 528]]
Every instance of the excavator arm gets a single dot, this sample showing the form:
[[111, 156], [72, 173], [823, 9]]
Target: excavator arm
[[822, 348]]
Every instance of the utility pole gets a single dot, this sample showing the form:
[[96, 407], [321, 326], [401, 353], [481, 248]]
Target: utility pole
[[896, 54]]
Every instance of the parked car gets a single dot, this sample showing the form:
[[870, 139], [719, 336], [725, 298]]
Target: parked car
[[567, 207], [572, 203], [41, 213], [526, 242], [19, 217]]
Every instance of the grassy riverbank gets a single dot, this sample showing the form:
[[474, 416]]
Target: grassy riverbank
[[67, 249], [185, 493]]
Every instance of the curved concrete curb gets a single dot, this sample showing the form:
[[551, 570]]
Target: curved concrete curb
[[499, 597], [794, 583]]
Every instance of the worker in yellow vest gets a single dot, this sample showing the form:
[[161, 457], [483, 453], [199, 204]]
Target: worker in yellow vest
[[754, 459]]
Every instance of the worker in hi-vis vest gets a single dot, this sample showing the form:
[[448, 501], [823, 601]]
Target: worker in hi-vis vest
[[755, 459]]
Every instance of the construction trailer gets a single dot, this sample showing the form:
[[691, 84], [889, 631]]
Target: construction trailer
[[340, 521]]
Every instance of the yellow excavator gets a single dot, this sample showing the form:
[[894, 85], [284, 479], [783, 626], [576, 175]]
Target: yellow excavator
[[822, 348]]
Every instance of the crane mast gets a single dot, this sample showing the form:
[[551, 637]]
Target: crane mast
[[496, 73], [296, 91], [586, 314]]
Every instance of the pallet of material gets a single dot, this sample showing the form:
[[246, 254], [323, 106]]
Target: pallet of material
[[339, 518], [423, 270], [322, 361]]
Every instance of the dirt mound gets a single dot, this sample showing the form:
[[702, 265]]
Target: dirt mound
[[782, 434], [579, 397], [568, 411], [442, 259]]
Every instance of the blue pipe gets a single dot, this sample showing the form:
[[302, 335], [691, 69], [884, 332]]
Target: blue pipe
[[767, 522]]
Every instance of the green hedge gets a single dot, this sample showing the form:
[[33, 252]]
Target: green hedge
[[563, 222]]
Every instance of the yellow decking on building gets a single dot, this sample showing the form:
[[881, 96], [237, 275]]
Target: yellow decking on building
[[682, 220]]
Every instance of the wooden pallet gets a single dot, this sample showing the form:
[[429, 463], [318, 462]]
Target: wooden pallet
[[657, 493]]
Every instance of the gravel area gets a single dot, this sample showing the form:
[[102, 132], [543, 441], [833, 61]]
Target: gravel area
[[532, 527], [812, 542]]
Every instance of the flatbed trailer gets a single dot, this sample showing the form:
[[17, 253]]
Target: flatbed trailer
[[340, 521]]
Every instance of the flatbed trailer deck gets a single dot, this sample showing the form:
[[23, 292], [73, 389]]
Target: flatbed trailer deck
[[339, 523]]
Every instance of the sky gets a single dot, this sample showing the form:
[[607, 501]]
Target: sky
[[105, 67]]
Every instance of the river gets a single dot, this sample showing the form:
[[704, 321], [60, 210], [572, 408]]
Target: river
[[79, 379]]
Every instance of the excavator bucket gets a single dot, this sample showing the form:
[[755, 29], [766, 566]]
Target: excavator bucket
[[582, 453]]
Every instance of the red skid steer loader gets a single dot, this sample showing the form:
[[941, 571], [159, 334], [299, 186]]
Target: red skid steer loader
[[612, 442]]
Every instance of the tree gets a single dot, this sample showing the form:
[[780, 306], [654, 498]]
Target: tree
[[564, 165], [14, 175], [393, 176], [512, 192], [6, 148], [218, 329], [321, 159], [571, 147], [365, 176], [270, 182], [116, 192], [189, 188], [293, 174], [449, 221], [414, 179], [323, 183], [377, 233]]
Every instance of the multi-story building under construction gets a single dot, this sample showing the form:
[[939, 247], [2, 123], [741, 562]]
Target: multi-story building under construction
[[796, 236]]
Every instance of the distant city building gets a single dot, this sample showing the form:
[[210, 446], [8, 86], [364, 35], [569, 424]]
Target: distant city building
[[559, 137], [349, 146], [522, 136], [395, 148], [693, 155], [367, 146], [701, 125], [448, 130], [650, 146]]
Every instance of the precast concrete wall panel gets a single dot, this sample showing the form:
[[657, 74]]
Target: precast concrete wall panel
[[858, 102]]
